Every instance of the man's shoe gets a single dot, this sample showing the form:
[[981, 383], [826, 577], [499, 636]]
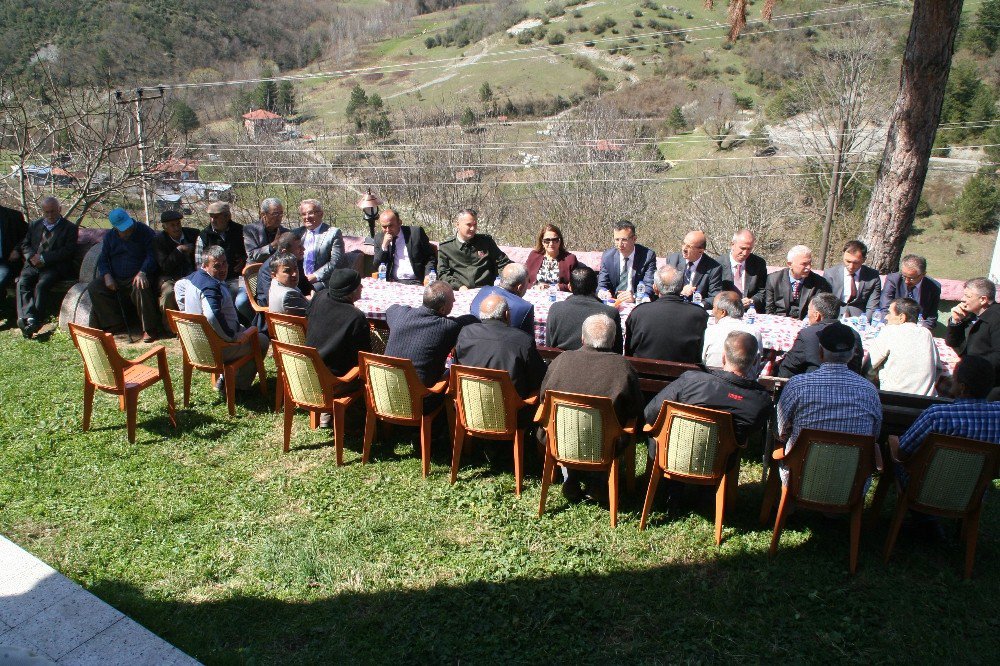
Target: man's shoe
[[30, 328], [326, 420], [572, 491], [148, 337]]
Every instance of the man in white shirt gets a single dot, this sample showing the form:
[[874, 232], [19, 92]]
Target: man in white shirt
[[728, 312], [702, 275], [405, 250], [904, 353]]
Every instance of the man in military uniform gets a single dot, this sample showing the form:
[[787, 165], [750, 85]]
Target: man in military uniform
[[469, 260]]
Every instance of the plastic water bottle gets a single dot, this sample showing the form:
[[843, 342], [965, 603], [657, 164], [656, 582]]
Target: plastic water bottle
[[496, 282], [877, 318], [640, 293], [751, 314], [696, 298], [432, 276], [552, 293], [381, 272], [920, 318], [863, 325]]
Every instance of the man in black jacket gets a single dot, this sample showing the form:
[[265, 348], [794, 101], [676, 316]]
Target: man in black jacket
[[337, 329], [974, 326], [562, 328], [13, 229], [804, 355], [228, 235], [743, 271], [701, 274], [405, 251], [788, 292], [48, 252], [667, 329], [174, 250]]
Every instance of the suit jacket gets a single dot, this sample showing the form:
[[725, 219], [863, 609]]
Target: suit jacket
[[231, 242], [930, 296], [778, 293], [423, 336], [642, 269], [754, 277], [13, 229], [338, 331], [329, 251], [608, 374], [61, 247], [286, 300], [564, 327], [493, 344], [255, 241], [522, 313], [804, 355], [418, 249], [668, 329], [264, 283], [978, 338], [869, 296], [175, 264], [567, 262], [707, 276]]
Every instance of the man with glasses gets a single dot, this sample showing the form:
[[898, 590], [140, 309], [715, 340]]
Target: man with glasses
[[322, 245], [261, 238], [912, 282], [743, 271], [626, 265], [702, 275]]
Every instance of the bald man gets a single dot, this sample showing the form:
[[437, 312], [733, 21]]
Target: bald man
[[702, 274]]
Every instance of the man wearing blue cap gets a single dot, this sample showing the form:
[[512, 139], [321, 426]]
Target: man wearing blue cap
[[126, 267]]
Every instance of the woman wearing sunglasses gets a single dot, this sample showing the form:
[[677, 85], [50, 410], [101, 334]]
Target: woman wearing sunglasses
[[549, 263]]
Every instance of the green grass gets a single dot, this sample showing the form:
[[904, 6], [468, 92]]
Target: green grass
[[235, 552]]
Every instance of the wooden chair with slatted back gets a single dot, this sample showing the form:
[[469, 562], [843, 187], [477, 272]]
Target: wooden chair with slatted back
[[309, 384], [249, 277], [827, 472], [694, 445], [948, 477], [583, 432], [487, 406], [292, 330], [395, 394], [203, 349], [104, 369]]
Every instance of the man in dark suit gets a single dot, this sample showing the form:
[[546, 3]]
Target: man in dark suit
[[562, 328], [260, 239], [669, 328], [974, 325], [625, 265], [409, 260], [743, 271], [701, 274], [804, 355], [788, 292], [13, 229], [492, 343], [337, 329], [513, 284], [858, 287], [912, 282], [48, 252], [174, 251]]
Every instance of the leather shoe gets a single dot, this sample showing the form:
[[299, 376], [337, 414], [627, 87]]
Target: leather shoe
[[148, 337]]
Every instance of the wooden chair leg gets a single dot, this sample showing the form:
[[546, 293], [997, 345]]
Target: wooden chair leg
[[771, 487], [971, 525], [613, 491], [369, 435], [261, 373], [229, 380], [456, 451], [88, 404], [121, 402], [339, 409], [856, 534], [279, 390], [186, 379], [779, 521], [518, 461], [313, 420], [131, 412], [720, 505], [894, 527], [547, 468], [425, 444], [733, 479], [168, 389], [289, 415], [654, 480]]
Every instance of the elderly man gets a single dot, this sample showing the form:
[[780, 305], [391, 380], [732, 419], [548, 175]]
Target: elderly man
[[858, 286], [13, 229], [728, 312], [565, 318], [337, 329], [912, 282], [669, 328], [469, 260], [322, 245], [513, 285], [702, 275], [47, 250], [127, 265], [260, 239], [831, 398], [804, 356], [205, 292], [174, 250], [974, 325], [405, 250], [626, 265], [743, 271], [223, 232], [596, 368], [426, 334], [284, 296], [904, 353], [788, 292]]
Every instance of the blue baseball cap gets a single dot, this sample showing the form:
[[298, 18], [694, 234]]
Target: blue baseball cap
[[120, 220]]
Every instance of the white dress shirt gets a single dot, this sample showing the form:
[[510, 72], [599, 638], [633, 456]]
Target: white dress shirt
[[715, 339], [401, 259], [907, 359]]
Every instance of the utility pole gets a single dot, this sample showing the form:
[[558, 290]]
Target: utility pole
[[141, 95], [831, 200]]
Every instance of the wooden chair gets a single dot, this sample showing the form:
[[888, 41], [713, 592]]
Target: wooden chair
[[249, 277], [487, 406], [309, 384], [948, 477], [105, 369], [203, 349], [290, 329], [395, 394], [379, 336], [582, 432], [827, 472], [694, 445]]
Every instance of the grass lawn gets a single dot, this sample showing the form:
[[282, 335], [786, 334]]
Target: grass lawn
[[235, 552]]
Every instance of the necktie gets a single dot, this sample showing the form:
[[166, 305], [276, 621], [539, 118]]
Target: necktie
[[688, 272], [796, 287], [854, 287], [623, 280], [739, 278], [391, 261], [909, 293], [309, 260]]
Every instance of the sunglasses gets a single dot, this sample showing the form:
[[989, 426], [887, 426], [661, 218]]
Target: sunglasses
[[551, 240]]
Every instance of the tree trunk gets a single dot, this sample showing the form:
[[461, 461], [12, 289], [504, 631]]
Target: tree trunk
[[915, 117]]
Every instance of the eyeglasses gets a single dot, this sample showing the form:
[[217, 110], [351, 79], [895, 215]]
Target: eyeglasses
[[551, 240]]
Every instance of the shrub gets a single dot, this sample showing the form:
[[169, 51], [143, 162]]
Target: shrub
[[978, 207], [557, 38]]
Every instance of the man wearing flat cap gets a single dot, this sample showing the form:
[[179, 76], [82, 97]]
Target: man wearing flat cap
[[832, 397], [228, 235], [174, 250], [126, 267]]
